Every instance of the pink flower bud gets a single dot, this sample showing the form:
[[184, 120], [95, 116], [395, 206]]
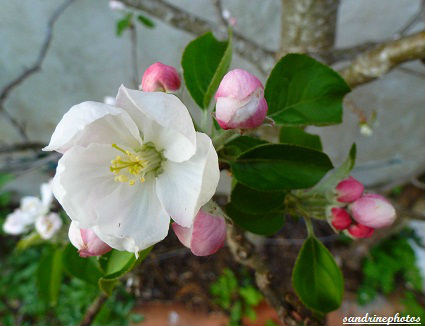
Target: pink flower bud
[[240, 101], [360, 231], [374, 211], [86, 241], [349, 190], [205, 236], [341, 220], [160, 78]]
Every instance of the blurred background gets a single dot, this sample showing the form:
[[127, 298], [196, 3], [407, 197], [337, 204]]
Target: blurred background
[[83, 50]]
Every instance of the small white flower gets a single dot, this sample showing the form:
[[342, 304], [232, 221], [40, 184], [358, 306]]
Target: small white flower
[[110, 100], [17, 222], [48, 225], [127, 169], [116, 5], [30, 209]]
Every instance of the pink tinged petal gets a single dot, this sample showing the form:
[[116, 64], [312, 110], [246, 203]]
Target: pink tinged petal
[[349, 190], [93, 122], [360, 231], [159, 77], [82, 179], [184, 187], [209, 234], [131, 218], [340, 218], [374, 211], [163, 119], [206, 236], [240, 101], [86, 241]]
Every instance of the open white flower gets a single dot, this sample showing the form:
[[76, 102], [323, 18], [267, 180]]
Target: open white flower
[[127, 169], [48, 225], [31, 208]]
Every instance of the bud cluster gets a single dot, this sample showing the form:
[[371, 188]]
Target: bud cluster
[[359, 213]]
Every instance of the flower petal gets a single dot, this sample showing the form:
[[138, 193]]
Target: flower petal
[[131, 218], [184, 187], [82, 178], [93, 122], [209, 234], [163, 120]]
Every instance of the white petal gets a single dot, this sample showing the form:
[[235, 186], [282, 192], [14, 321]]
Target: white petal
[[46, 194], [131, 218], [163, 119], [93, 122], [32, 206], [17, 222], [74, 235], [82, 178], [48, 225], [184, 187]]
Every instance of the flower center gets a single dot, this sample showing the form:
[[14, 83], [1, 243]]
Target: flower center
[[135, 166]]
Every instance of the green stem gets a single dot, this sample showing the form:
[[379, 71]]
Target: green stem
[[224, 138], [309, 224]]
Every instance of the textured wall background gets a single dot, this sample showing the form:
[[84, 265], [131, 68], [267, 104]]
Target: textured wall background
[[87, 61]]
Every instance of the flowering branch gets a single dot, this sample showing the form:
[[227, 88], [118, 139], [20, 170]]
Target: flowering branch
[[93, 310], [290, 311], [35, 67], [384, 57]]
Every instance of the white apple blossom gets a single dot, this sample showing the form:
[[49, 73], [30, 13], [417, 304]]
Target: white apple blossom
[[31, 208], [48, 225], [127, 169]]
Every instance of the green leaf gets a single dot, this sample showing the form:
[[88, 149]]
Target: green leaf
[[147, 22], [316, 278], [297, 136], [266, 223], [277, 167], [237, 146], [85, 269], [256, 202], [107, 285], [205, 61], [302, 91], [29, 240], [251, 295], [124, 23], [49, 276], [116, 264]]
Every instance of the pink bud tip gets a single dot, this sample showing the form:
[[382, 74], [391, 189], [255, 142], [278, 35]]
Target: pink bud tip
[[341, 220], [160, 78], [374, 211], [86, 241], [205, 237], [240, 101], [349, 190], [360, 231]]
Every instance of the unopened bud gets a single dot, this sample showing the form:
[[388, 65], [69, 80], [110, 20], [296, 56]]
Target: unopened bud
[[348, 190], [160, 78], [240, 101], [374, 211], [341, 220], [360, 231], [205, 237], [86, 241]]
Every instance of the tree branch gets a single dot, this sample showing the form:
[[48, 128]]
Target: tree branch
[[384, 57], [93, 310], [180, 19], [289, 309], [36, 66]]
